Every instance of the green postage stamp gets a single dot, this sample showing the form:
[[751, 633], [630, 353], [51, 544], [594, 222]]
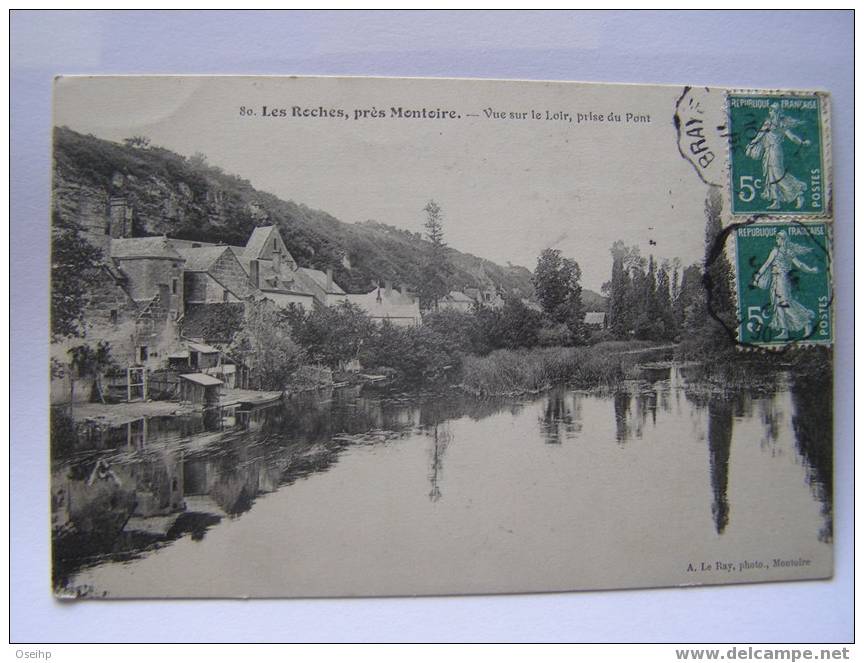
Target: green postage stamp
[[776, 155], [784, 283]]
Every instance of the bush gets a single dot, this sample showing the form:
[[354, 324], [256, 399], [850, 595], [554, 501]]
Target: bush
[[332, 335], [460, 330], [417, 354], [554, 335], [512, 326]]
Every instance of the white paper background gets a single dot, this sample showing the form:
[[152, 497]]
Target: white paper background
[[740, 49]]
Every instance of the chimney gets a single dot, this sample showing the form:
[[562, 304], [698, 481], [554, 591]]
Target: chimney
[[329, 279], [388, 287], [255, 273]]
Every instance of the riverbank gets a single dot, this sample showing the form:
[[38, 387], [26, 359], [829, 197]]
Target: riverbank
[[118, 414], [513, 372]]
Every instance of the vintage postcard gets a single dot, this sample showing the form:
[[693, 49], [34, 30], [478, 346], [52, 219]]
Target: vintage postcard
[[322, 336]]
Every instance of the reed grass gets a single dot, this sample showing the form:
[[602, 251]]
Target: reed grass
[[506, 372]]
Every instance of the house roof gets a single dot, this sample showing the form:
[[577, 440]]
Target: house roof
[[240, 253], [396, 305], [143, 247], [283, 298], [201, 347], [595, 318], [202, 379], [258, 241], [201, 258], [215, 323], [458, 296], [320, 279]]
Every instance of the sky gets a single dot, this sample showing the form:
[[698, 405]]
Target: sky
[[509, 187]]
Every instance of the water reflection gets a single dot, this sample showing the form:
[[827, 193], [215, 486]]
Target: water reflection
[[814, 434], [441, 439], [719, 446], [562, 417], [120, 493]]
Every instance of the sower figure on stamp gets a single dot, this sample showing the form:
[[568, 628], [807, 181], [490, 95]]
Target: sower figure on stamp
[[780, 186], [787, 314]]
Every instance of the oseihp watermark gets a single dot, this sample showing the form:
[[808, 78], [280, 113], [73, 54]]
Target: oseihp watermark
[[33, 654]]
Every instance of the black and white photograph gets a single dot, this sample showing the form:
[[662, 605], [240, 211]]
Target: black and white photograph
[[346, 336]]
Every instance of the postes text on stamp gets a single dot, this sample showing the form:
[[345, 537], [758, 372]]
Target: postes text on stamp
[[776, 156], [783, 275]]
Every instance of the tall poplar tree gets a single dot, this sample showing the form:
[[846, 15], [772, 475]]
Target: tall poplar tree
[[436, 270]]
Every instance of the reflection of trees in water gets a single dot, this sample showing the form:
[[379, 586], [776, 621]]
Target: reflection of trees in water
[[640, 399], [441, 438], [621, 404], [722, 409], [562, 416], [771, 417], [720, 423], [455, 406], [812, 422]]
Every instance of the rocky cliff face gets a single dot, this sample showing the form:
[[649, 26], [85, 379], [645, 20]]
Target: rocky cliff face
[[160, 192]]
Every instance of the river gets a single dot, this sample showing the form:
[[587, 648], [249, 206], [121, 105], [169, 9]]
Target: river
[[664, 481]]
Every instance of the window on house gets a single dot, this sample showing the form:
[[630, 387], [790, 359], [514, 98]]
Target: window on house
[[274, 244], [143, 354], [113, 316], [224, 295], [174, 286]]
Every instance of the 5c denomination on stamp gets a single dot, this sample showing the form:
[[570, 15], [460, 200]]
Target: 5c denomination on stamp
[[776, 154], [783, 274]]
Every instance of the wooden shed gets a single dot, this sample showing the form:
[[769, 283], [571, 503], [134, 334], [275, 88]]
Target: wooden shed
[[200, 389]]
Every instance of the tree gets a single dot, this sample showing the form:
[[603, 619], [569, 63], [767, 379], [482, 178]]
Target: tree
[[690, 305], [266, 345], [436, 270], [617, 290], [512, 326], [137, 142], [333, 335], [417, 355], [460, 330], [73, 261], [717, 269], [556, 283], [676, 275], [664, 302]]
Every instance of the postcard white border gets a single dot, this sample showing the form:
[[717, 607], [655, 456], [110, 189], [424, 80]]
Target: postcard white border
[[724, 49]]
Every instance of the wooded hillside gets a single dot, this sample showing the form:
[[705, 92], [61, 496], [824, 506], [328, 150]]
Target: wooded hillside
[[191, 199]]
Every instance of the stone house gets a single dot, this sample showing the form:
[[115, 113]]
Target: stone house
[[272, 270], [399, 308], [213, 275], [138, 300], [596, 320], [153, 277], [326, 291], [456, 300], [486, 296]]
